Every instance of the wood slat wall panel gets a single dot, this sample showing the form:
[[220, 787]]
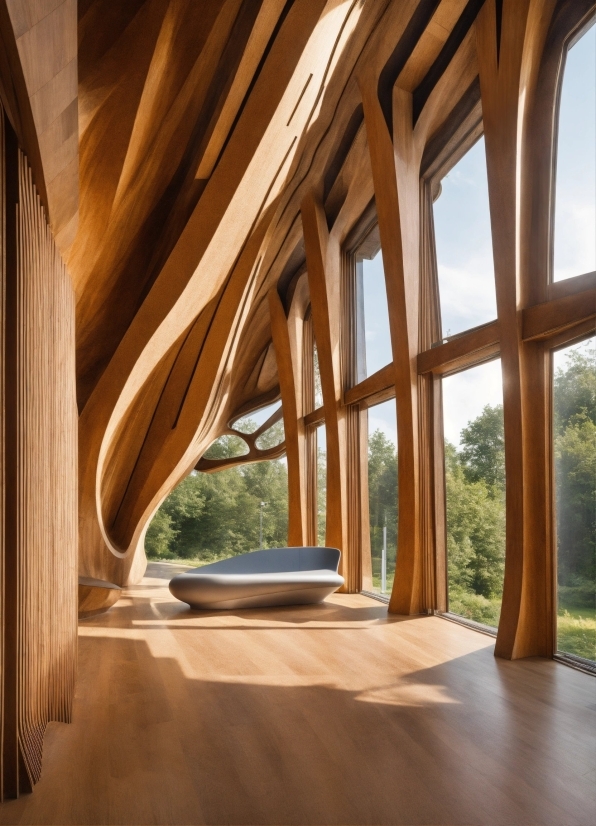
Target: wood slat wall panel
[[40, 490]]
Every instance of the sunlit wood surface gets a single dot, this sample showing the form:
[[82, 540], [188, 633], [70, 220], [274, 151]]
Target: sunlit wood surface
[[328, 714]]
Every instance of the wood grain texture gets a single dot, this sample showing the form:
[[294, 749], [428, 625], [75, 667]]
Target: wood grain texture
[[46, 39], [331, 714], [230, 153], [470, 347], [508, 83], [292, 426], [96, 596], [40, 469], [322, 260], [545, 320]]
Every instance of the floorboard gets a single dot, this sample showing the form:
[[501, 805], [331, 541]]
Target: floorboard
[[331, 714]]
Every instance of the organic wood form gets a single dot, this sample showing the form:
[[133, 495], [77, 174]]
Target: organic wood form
[[207, 171]]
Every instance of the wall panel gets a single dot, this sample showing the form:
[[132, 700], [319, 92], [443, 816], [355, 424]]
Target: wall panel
[[40, 475]]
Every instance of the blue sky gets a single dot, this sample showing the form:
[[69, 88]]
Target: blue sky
[[575, 198]]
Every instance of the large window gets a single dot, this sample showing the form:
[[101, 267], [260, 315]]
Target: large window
[[475, 492], [575, 200], [574, 431], [464, 245], [382, 494], [219, 514], [374, 340]]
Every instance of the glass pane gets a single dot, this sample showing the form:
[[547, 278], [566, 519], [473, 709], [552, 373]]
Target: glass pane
[[272, 437], [321, 484], [225, 447], [375, 321], [382, 494], [212, 516], [464, 245], [574, 402], [317, 379], [253, 420], [475, 492], [575, 201]]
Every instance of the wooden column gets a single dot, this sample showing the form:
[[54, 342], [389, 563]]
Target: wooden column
[[395, 168], [323, 263], [292, 421], [510, 41]]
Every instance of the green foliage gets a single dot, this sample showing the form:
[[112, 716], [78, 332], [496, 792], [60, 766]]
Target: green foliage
[[576, 634], [212, 516], [160, 535], [226, 447], [382, 498], [321, 495], [483, 449], [575, 388], [272, 437], [574, 401], [475, 607], [475, 530]]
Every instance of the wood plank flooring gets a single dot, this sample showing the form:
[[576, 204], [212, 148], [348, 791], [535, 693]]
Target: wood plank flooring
[[334, 714]]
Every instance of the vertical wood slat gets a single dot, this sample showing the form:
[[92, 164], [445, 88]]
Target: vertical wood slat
[[40, 477]]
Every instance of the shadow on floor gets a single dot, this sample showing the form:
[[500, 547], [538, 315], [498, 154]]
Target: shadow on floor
[[471, 740]]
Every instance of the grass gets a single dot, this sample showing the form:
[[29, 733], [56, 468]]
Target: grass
[[576, 631], [475, 607], [195, 562], [376, 583]]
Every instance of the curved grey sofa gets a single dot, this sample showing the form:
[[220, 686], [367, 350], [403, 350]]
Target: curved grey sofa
[[276, 576]]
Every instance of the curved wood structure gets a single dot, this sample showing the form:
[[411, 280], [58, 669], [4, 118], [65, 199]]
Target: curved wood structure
[[202, 172], [96, 596]]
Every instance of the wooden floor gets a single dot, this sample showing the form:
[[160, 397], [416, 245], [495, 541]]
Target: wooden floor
[[331, 714]]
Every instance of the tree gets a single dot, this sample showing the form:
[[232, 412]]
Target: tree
[[483, 449], [475, 532], [575, 387], [574, 406], [382, 494]]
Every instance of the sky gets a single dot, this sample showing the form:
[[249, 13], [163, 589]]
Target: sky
[[575, 196], [464, 248]]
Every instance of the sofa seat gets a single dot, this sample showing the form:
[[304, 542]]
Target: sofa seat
[[275, 576]]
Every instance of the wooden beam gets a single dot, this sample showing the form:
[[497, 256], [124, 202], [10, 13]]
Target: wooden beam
[[461, 351], [396, 168], [509, 44], [571, 286], [315, 417], [295, 456], [377, 382], [322, 260], [546, 320]]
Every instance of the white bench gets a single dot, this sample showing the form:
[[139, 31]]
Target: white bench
[[275, 576]]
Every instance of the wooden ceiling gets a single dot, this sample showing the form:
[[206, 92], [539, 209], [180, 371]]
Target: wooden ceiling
[[202, 126]]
